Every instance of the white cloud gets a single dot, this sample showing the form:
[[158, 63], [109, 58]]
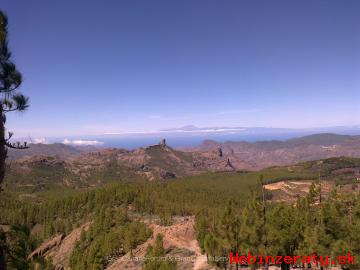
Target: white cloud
[[82, 142], [39, 140]]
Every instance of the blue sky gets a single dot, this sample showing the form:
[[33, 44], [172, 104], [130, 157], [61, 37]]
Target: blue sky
[[92, 67]]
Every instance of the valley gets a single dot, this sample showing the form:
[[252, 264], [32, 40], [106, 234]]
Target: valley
[[103, 208]]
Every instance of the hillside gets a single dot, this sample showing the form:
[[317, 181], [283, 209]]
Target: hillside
[[262, 154], [56, 149], [60, 220], [42, 172], [45, 167]]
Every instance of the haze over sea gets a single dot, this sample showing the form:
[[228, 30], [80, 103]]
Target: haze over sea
[[190, 136]]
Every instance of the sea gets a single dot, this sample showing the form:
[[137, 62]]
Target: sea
[[182, 138]]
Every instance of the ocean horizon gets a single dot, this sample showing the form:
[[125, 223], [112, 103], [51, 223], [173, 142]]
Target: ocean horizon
[[180, 141]]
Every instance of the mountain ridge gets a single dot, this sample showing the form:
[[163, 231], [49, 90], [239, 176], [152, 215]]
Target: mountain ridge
[[73, 167]]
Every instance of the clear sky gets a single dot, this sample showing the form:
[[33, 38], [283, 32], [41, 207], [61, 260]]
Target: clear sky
[[92, 66]]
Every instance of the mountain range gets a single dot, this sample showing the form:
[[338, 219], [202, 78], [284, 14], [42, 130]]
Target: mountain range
[[65, 165], [262, 154]]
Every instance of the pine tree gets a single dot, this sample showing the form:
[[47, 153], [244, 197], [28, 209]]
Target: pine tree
[[251, 229], [154, 257], [12, 100]]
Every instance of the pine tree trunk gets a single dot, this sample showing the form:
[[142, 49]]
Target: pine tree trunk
[[2, 174], [2, 250], [2, 259], [2, 146]]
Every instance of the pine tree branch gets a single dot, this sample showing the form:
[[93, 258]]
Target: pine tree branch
[[17, 145], [5, 90], [11, 110]]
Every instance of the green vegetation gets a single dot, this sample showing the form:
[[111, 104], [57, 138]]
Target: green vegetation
[[330, 228], [17, 242], [328, 166], [111, 234], [160, 158], [154, 255], [341, 170], [227, 218], [41, 178]]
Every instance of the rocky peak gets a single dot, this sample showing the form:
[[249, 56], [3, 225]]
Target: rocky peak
[[162, 142]]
